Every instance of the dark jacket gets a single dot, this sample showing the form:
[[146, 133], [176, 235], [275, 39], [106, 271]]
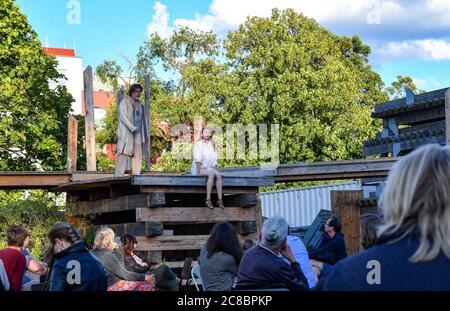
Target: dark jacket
[[115, 269], [261, 268], [330, 250], [396, 271], [66, 264], [133, 266]]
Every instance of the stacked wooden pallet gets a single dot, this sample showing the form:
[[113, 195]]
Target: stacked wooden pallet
[[165, 212]]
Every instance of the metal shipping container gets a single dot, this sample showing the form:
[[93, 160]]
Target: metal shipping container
[[301, 205]]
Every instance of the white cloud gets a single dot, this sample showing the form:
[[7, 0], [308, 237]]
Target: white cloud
[[410, 18], [160, 21], [428, 49], [427, 83], [397, 29]]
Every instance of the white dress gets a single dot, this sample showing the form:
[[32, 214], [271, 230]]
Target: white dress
[[205, 154]]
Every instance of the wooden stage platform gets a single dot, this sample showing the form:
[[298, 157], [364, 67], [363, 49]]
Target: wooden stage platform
[[349, 169]]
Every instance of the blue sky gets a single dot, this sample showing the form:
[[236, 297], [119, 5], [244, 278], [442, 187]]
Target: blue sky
[[407, 37]]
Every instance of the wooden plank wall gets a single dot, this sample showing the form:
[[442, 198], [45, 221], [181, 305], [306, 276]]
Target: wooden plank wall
[[344, 204]]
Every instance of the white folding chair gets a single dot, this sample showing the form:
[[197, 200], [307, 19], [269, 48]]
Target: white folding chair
[[197, 278]]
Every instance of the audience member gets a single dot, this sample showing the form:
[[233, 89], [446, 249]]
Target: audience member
[[413, 249], [219, 259], [261, 267], [119, 278], [73, 268]]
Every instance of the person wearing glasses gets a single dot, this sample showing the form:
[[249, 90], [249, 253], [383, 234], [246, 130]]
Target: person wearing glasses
[[131, 132], [330, 250], [205, 164]]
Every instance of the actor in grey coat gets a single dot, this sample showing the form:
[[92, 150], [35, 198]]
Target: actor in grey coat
[[131, 133]]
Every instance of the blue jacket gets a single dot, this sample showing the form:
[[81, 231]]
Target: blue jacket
[[74, 261], [330, 250], [261, 268], [396, 271]]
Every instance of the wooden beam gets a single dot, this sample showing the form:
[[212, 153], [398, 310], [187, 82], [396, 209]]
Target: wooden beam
[[72, 143], [195, 214], [447, 116], [348, 169], [344, 204], [146, 151], [32, 180], [147, 229], [259, 221], [118, 204], [328, 170], [406, 144], [177, 242], [189, 180], [85, 176], [201, 190], [89, 119]]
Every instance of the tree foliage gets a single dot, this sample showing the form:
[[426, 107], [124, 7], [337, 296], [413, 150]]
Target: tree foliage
[[35, 210], [33, 115], [288, 70], [397, 88]]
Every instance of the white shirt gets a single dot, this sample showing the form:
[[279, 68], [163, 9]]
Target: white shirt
[[301, 256], [205, 154]]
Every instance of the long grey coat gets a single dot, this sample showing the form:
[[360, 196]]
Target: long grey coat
[[126, 128]]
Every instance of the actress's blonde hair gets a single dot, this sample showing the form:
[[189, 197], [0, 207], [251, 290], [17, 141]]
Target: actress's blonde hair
[[417, 196], [104, 238]]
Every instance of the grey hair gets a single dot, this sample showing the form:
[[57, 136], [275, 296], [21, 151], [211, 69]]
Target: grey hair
[[274, 231], [416, 197], [104, 238]]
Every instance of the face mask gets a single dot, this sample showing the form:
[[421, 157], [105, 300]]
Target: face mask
[[57, 247]]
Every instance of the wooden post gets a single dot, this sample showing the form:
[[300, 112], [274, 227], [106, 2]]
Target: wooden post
[[447, 116], [72, 141], [258, 215], [344, 204], [146, 153], [89, 119], [120, 95]]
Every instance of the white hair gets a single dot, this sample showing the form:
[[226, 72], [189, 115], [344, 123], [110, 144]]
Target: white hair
[[104, 238], [417, 197], [274, 231]]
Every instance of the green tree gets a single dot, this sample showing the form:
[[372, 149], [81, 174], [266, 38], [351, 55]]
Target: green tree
[[35, 210], [178, 53], [110, 72], [397, 88], [33, 114], [288, 70]]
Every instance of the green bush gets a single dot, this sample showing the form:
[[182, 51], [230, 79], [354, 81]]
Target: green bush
[[35, 210]]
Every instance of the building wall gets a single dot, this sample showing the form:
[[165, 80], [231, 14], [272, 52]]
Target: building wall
[[300, 206], [72, 68]]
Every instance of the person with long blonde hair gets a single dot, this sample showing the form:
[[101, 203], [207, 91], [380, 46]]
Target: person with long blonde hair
[[413, 247]]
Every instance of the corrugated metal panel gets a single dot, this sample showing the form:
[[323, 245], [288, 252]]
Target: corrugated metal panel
[[300, 206]]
